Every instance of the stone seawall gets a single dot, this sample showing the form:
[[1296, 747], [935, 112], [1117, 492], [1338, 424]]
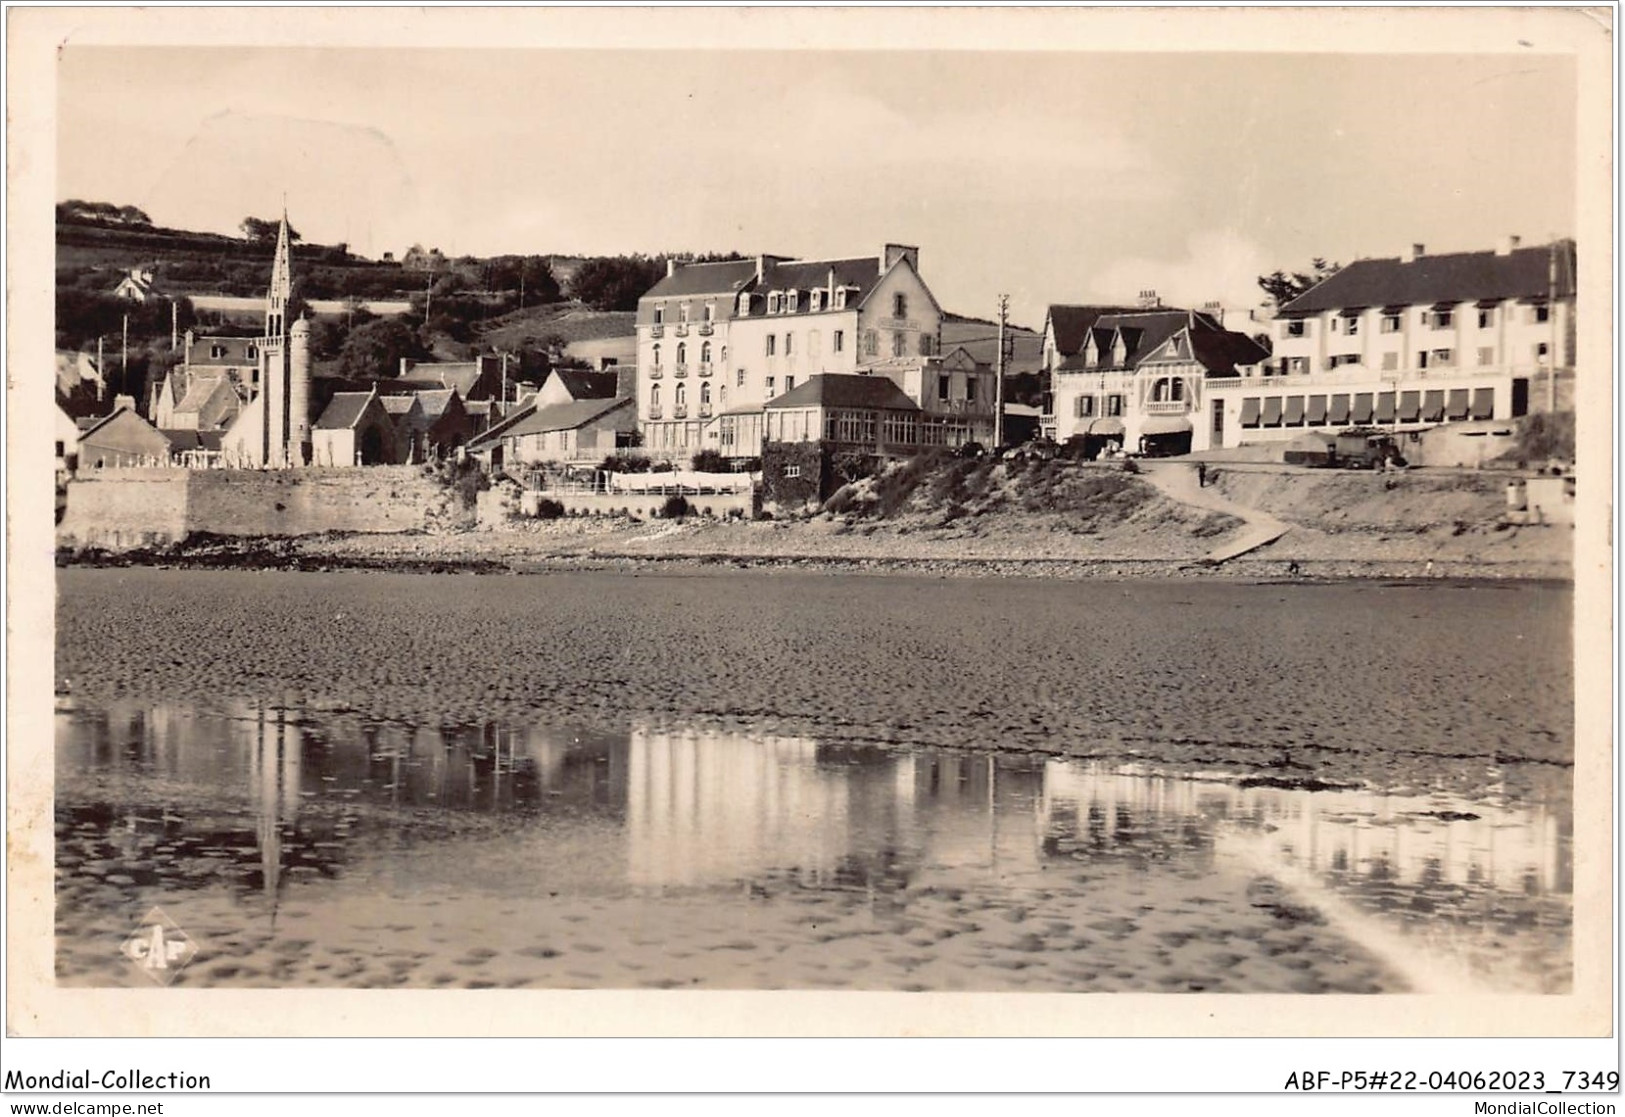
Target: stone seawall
[[118, 509]]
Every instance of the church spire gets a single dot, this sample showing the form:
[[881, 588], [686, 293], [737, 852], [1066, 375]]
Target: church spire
[[276, 299]]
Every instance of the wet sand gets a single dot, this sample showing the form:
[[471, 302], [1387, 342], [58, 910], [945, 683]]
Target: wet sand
[[1393, 685]]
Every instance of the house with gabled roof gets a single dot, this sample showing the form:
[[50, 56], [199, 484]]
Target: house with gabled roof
[[354, 429], [1137, 378], [717, 342], [121, 439], [198, 400], [586, 430], [1409, 342]]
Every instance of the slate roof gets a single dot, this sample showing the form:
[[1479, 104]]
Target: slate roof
[[199, 388], [461, 375], [1452, 278], [1072, 324], [397, 405], [833, 389], [564, 416], [583, 384], [435, 401], [725, 278], [344, 411], [1222, 350], [193, 440], [1143, 331], [496, 433]]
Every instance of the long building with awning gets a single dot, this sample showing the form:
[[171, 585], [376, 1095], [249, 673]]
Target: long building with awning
[[1409, 343]]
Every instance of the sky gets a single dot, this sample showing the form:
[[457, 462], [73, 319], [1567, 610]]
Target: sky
[[1051, 176]]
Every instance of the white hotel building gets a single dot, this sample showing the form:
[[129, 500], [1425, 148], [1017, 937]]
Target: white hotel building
[[1408, 343]]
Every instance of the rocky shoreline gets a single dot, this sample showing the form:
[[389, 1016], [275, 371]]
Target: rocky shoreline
[[540, 552]]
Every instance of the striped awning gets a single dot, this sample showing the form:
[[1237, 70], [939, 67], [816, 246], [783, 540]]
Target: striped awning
[[1107, 428]]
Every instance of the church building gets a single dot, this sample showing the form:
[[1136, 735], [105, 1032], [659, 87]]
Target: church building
[[273, 428]]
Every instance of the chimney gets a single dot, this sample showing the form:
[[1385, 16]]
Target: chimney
[[1149, 299], [126, 403], [406, 366], [1214, 310], [895, 252], [1508, 245], [671, 267], [1417, 251]]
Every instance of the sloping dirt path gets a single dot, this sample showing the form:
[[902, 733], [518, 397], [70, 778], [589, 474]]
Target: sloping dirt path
[[1178, 481]]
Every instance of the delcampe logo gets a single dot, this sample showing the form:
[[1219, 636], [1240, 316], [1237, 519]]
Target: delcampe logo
[[159, 947]]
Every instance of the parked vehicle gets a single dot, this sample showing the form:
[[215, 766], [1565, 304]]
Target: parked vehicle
[[1355, 448], [1038, 450]]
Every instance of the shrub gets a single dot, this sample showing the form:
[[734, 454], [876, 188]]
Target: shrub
[[625, 463], [548, 509], [675, 508], [711, 461]]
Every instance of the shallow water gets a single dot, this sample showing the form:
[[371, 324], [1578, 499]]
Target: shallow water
[[303, 846]]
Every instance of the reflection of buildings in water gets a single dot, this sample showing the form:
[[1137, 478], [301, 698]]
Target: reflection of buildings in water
[[274, 774], [1402, 840], [970, 811], [1110, 811], [710, 807], [1341, 833]]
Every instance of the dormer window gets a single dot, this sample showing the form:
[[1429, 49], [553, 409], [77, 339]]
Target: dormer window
[[253, 352], [1091, 355], [840, 298], [660, 314], [772, 302], [710, 312], [744, 305], [817, 302], [217, 352], [682, 313], [792, 299]]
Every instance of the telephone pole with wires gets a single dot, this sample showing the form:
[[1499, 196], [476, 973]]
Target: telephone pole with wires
[[998, 382]]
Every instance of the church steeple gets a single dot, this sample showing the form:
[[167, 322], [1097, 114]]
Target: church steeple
[[276, 299]]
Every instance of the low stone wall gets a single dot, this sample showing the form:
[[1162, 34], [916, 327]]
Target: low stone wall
[[119, 509]]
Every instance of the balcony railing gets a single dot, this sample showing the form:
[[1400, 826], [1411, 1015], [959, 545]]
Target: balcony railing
[[680, 411], [706, 329], [1167, 407], [656, 372], [681, 371], [657, 330], [705, 368], [655, 412], [705, 411], [681, 329]]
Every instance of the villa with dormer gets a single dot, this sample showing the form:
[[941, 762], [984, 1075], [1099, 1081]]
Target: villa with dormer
[[1137, 377]]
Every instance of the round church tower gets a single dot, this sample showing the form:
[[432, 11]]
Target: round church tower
[[299, 446]]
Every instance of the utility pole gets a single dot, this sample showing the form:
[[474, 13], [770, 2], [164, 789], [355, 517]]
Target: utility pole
[[998, 383], [174, 325], [124, 357], [1551, 313], [101, 373]]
